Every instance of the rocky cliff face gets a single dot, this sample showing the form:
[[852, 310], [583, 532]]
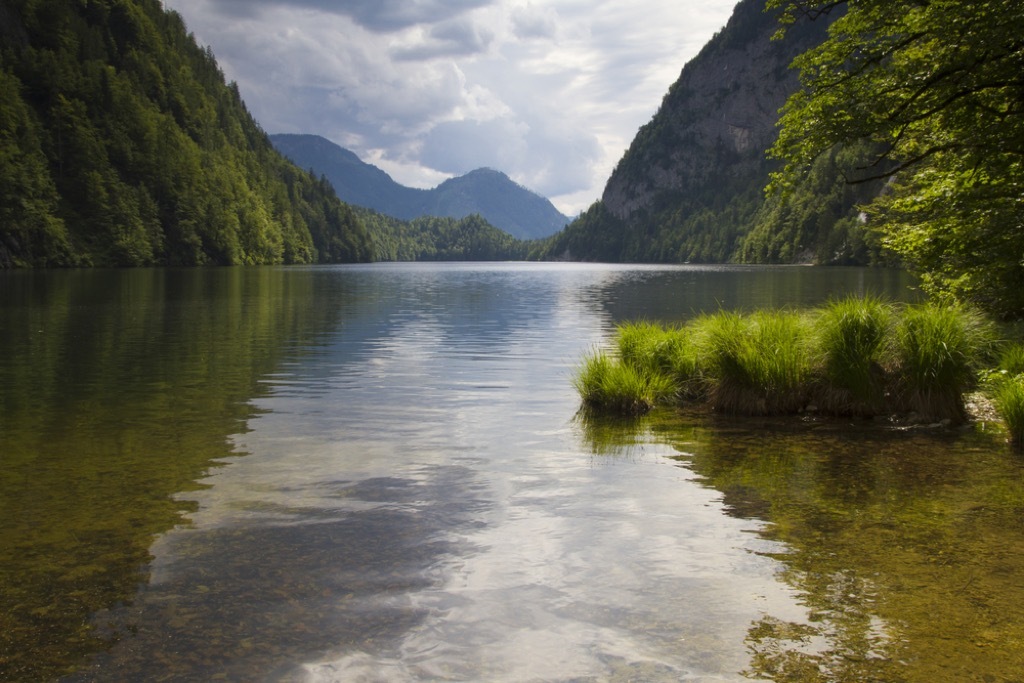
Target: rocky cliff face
[[718, 118], [691, 186]]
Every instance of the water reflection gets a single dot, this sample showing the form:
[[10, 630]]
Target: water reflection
[[906, 548], [117, 390], [367, 471], [247, 597]]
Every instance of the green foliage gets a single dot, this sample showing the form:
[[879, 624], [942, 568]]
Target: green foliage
[[937, 351], [30, 229], [605, 384], [1009, 400], [440, 239], [936, 88], [852, 357], [595, 236], [850, 337], [121, 144], [819, 220]]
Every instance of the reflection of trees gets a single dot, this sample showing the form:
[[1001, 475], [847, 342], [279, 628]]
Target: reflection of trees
[[907, 548], [117, 390], [674, 295]]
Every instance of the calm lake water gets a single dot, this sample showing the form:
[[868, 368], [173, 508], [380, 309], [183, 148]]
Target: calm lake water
[[376, 473]]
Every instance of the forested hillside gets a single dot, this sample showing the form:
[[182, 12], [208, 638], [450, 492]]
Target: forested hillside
[[492, 194], [691, 185], [933, 93], [433, 238], [121, 144]]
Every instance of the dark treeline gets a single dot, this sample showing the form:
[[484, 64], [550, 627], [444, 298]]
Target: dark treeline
[[121, 144], [441, 239]]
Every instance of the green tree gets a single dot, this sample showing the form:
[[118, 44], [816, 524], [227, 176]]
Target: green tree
[[121, 145], [939, 86]]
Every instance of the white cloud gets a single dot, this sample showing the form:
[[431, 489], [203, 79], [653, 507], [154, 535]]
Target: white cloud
[[550, 92], [530, 21]]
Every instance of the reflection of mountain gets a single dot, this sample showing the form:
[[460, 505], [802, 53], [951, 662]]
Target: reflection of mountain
[[312, 569], [118, 389], [487, 192]]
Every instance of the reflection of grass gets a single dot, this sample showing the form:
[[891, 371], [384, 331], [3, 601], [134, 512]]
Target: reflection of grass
[[881, 532], [853, 357], [609, 434]]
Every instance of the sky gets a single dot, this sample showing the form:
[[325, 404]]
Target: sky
[[551, 92]]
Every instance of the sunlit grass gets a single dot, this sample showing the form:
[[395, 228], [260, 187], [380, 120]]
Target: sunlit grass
[[856, 356], [645, 346], [607, 384], [1009, 400], [936, 354], [1011, 360], [653, 349], [849, 340], [756, 364]]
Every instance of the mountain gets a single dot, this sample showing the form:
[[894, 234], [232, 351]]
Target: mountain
[[492, 194], [691, 185], [121, 144], [355, 181]]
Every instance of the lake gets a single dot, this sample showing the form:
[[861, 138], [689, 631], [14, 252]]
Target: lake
[[378, 473]]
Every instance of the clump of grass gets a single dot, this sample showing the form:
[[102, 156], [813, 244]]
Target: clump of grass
[[669, 351], [850, 337], [1008, 397], [756, 365], [683, 365], [936, 354], [855, 356], [608, 385], [1011, 360], [644, 345]]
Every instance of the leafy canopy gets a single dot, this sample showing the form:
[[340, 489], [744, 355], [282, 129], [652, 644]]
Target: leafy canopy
[[938, 85]]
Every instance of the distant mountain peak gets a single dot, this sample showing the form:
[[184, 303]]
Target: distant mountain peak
[[485, 191]]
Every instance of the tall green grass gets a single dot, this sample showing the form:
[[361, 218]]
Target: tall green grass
[[655, 349], [754, 365], [850, 336], [1006, 386], [937, 353], [1011, 359], [851, 357], [1008, 397], [607, 384]]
